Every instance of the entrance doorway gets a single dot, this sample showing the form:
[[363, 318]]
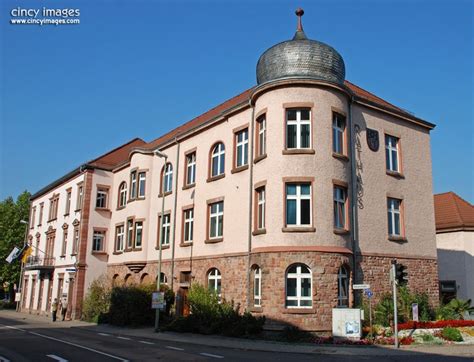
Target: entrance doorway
[[182, 305]]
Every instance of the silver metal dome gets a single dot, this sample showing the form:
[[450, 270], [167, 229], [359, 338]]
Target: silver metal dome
[[301, 58]]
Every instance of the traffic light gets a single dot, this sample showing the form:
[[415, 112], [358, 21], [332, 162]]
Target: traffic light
[[401, 275]]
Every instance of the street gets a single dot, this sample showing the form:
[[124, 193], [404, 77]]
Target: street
[[33, 340]]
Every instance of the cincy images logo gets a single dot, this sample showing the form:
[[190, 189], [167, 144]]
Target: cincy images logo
[[44, 16]]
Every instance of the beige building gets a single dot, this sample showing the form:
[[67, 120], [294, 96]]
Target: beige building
[[258, 195], [455, 243]]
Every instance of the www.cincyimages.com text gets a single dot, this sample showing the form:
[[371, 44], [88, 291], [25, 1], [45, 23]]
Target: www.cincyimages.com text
[[44, 16]]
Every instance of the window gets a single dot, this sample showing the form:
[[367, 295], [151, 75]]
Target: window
[[391, 153], [340, 207], [338, 128], [141, 184], [164, 233], [260, 208], [32, 219], [68, 202], [188, 217], [298, 128], [167, 178], [257, 287], [40, 219], [98, 240], [80, 191], [119, 236], [394, 217], [53, 207], [101, 200], [298, 287], [261, 136], [218, 160], [343, 287], [216, 220], [129, 233], [122, 199], [75, 242], [191, 169], [138, 234], [163, 279], [214, 281], [242, 148], [64, 244], [133, 185], [298, 204]]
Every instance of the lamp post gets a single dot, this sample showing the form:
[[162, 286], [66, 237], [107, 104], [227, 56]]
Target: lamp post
[[160, 244], [20, 282]]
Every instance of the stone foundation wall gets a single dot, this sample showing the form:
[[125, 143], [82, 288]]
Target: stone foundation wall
[[324, 267]]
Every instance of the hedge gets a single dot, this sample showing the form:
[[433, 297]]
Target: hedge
[[437, 324]]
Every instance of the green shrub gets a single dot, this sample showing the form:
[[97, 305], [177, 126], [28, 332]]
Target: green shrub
[[427, 337], [7, 304], [454, 310], [451, 334], [97, 301]]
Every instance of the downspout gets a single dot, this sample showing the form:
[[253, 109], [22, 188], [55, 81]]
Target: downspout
[[249, 251], [354, 204], [174, 211]]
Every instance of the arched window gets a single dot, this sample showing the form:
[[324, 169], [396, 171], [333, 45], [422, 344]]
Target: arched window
[[115, 280], [214, 281], [218, 160], [163, 279], [343, 287], [167, 178], [145, 279], [299, 287], [122, 197], [257, 286], [127, 280]]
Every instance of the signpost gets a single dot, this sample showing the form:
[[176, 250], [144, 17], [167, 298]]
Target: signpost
[[361, 286], [414, 309]]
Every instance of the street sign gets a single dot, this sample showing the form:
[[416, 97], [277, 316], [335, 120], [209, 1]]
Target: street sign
[[369, 293], [158, 300], [361, 286], [414, 309], [71, 270]]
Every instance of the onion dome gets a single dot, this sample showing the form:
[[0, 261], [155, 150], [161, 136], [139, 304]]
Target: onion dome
[[301, 58]]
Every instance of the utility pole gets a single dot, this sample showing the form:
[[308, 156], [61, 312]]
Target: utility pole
[[393, 277]]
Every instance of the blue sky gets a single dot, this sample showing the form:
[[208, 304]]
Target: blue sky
[[140, 68]]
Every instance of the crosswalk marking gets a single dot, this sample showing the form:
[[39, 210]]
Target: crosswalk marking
[[211, 355], [57, 358], [175, 348]]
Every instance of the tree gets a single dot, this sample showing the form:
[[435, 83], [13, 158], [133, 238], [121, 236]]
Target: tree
[[12, 233]]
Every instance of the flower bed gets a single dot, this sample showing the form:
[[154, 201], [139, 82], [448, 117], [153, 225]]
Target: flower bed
[[437, 324]]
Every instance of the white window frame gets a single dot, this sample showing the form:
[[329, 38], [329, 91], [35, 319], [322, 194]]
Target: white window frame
[[262, 136], [390, 150], [123, 194], [138, 227], [257, 287], [68, 202], [261, 204], [119, 237], [168, 178], [188, 225], [298, 122], [102, 195], [216, 215], [165, 229], [215, 276], [343, 284], [299, 276], [191, 169], [141, 184], [130, 233], [340, 204], [98, 235], [133, 185], [299, 197], [218, 155], [242, 148], [337, 130], [392, 210]]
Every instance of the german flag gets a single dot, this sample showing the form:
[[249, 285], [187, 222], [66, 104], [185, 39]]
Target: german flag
[[26, 253]]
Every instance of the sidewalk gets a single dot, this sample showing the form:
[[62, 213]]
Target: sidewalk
[[247, 344]]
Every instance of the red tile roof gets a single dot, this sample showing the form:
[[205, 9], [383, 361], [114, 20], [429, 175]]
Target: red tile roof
[[243, 97], [117, 156], [453, 212]]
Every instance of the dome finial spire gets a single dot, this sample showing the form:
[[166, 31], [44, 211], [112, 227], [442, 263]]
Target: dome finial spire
[[299, 35], [299, 13]]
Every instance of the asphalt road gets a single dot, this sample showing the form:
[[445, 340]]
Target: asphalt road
[[33, 341]]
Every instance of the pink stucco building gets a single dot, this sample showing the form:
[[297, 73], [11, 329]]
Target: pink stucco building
[[280, 198]]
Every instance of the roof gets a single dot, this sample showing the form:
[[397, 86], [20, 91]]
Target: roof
[[107, 162], [453, 212], [243, 98]]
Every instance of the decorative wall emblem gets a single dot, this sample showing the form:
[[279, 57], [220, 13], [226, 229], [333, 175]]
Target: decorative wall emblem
[[373, 139]]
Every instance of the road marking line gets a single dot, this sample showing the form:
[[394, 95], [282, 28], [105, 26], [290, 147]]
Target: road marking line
[[79, 346], [211, 355], [175, 348], [57, 358], [104, 334], [3, 359], [146, 342], [125, 338], [19, 329]]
